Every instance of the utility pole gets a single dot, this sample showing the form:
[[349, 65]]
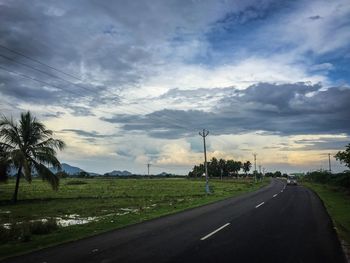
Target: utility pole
[[205, 134], [255, 171], [329, 163], [148, 166], [255, 154]]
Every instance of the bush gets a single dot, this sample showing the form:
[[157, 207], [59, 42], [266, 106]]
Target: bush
[[76, 182], [324, 177], [343, 180], [43, 227], [23, 231]]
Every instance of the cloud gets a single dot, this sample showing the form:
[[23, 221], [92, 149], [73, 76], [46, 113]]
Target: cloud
[[323, 143], [315, 17], [154, 71], [286, 109], [84, 133]]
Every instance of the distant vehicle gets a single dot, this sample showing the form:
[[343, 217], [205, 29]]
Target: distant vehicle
[[292, 180]]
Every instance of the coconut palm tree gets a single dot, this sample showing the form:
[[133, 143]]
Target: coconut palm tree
[[246, 167], [27, 146]]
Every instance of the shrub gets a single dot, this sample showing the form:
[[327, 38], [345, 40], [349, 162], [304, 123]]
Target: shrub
[[76, 182], [340, 179], [43, 227], [23, 231]]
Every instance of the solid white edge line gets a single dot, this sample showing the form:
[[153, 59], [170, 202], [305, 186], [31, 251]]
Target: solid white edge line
[[215, 231], [274, 195], [260, 204]]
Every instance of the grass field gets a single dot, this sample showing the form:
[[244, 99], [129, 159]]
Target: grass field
[[337, 202], [99, 205]]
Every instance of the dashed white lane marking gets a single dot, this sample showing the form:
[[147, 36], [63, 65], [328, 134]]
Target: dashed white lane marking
[[215, 231], [274, 195], [282, 191], [260, 204]]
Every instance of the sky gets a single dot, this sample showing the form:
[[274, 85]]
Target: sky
[[126, 83]]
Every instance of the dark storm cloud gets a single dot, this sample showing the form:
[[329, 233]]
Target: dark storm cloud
[[198, 94], [324, 143], [83, 133], [56, 114], [114, 44], [315, 17], [287, 109]]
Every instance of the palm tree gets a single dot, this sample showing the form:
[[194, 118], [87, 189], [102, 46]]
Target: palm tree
[[28, 145], [246, 167]]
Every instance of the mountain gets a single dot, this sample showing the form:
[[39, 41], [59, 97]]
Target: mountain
[[71, 170], [118, 173]]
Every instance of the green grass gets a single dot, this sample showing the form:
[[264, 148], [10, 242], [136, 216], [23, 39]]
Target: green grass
[[337, 202], [105, 199]]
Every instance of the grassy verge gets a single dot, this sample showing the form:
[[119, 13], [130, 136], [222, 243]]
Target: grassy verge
[[337, 202], [109, 203]]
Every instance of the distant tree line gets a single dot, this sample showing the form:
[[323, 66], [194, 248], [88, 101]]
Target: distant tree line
[[221, 167], [275, 174], [338, 179], [325, 177]]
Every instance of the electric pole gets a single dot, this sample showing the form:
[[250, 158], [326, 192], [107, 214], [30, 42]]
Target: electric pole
[[329, 163], [255, 171], [255, 154], [148, 166], [205, 134]]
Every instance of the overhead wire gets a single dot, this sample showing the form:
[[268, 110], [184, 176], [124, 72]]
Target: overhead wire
[[154, 113], [44, 72], [39, 62], [35, 79]]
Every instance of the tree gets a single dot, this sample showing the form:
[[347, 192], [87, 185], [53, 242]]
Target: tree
[[233, 166], [344, 156], [223, 168], [246, 167], [197, 171], [213, 167], [277, 174], [4, 165], [83, 174], [27, 145]]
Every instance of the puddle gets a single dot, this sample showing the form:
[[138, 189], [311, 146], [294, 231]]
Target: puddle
[[5, 212], [76, 219], [131, 210], [7, 225], [64, 222]]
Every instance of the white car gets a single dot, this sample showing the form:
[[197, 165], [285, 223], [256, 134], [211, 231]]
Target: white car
[[292, 180]]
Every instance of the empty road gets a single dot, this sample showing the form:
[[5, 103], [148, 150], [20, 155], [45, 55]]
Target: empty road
[[278, 223]]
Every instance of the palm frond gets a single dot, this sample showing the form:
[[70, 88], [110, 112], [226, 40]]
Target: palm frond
[[47, 175], [53, 143], [10, 136], [46, 158]]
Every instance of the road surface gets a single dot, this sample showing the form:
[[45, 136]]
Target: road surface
[[278, 223]]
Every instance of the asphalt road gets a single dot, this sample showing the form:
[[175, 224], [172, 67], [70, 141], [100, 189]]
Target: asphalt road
[[278, 223]]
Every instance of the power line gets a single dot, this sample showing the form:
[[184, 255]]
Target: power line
[[67, 74], [41, 63], [34, 79], [42, 71]]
